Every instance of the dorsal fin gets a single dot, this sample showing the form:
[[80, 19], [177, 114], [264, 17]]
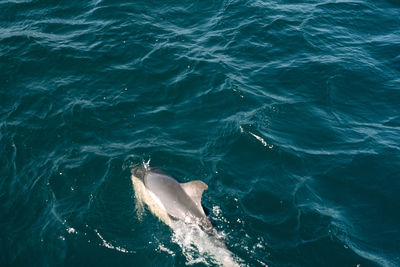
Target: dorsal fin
[[194, 190]]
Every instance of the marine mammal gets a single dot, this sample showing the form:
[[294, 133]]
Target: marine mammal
[[170, 200], [179, 206]]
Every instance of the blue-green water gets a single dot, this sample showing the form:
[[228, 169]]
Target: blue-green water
[[288, 110]]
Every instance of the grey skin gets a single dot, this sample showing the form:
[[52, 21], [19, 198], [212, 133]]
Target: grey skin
[[182, 201]]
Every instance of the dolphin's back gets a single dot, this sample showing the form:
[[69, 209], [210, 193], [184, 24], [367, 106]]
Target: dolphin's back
[[177, 203]]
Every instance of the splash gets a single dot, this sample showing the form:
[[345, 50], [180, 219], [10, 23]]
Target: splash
[[146, 165], [110, 246], [261, 140], [200, 247], [161, 247]]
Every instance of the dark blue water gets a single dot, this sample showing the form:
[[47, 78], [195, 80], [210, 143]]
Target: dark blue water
[[288, 110]]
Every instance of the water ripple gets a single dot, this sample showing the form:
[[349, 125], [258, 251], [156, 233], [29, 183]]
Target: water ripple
[[287, 110]]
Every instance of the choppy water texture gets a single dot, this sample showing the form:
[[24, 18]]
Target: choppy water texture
[[288, 110]]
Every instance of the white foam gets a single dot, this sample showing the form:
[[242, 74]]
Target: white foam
[[147, 164], [200, 247], [71, 230], [110, 246], [161, 247], [261, 140]]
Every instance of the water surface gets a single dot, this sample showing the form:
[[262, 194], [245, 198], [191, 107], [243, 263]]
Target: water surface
[[288, 110]]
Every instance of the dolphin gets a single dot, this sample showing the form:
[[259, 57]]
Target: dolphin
[[170, 200], [179, 206]]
